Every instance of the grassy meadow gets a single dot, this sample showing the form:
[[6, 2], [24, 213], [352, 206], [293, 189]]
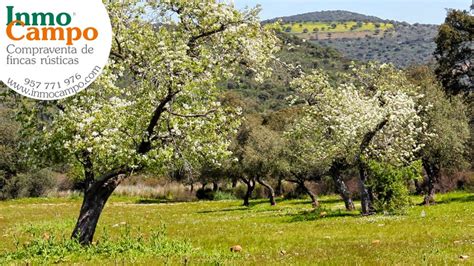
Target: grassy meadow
[[35, 231]]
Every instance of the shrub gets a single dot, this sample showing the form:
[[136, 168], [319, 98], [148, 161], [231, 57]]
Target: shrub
[[33, 184], [389, 185], [205, 194], [223, 195]]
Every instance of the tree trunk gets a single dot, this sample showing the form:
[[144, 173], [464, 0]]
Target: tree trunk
[[215, 186], [279, 189], [250, 187], [365, 197], [314, 199], [95, 197], [418, 187], [344, 192], [433, 173], [341, 187], [271, 192]]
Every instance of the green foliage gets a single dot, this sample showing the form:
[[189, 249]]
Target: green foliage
[[127, 246], [9, 137], [224, 195], [294, 55], [446, 120], [389, 185], [455, 52]]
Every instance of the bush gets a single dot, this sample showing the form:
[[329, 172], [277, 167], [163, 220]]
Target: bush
[[223, 195], [205, 194], [34, 184], [297, 193], [389, 185]]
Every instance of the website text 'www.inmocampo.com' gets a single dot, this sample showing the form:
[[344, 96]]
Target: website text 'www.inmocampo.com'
[[30, 87]]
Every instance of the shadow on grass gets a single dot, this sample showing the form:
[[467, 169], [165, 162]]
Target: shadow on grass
[[320, 214], [463, 198], [242, 208], [324, 201], [151, 201], [157, 201]]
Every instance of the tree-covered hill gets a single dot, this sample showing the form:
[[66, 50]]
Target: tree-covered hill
[[365, 38], [329, 16], [295, 54]]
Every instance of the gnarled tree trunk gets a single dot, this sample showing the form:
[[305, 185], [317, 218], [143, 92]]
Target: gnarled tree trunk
[[344, 192], [341, 187], [279, 189], [314, 198], [95, 197], [365, 197], [433, 173], [271, 192]]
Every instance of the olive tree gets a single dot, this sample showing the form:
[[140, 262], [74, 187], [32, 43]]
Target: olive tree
[[156, 102], [455, 52], [446, 145], [263, 157]]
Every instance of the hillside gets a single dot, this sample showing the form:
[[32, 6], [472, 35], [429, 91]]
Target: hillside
[[293, 51], [364, 38], [329, 16]]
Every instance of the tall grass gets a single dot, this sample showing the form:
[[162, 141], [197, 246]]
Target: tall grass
[[128, 247], [169, 192]]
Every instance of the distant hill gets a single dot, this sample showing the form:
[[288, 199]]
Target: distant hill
[[272, 94], [329, 16], [363, 37]]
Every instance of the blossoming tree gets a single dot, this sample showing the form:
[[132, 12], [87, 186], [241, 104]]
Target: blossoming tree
[[370, 114]]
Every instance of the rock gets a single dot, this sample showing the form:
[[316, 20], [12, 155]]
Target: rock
[[283, 252], [423, 214], [323, 214], [464, 257], [236, 248], [376, 242], [46, 236]]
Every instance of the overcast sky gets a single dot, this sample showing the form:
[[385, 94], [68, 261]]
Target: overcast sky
[[412, 11]]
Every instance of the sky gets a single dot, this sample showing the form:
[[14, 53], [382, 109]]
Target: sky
[[412, 11]]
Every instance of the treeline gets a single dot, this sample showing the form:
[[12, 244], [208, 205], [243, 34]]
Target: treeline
[[330, 16]]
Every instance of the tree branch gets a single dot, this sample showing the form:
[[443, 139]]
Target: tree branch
[[368, 137], [194, 115]]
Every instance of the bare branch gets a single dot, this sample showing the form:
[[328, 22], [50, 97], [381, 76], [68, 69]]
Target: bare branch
[[194, 115]]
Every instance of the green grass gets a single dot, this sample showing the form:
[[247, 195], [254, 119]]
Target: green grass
[[203, 232], [324, 27]]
